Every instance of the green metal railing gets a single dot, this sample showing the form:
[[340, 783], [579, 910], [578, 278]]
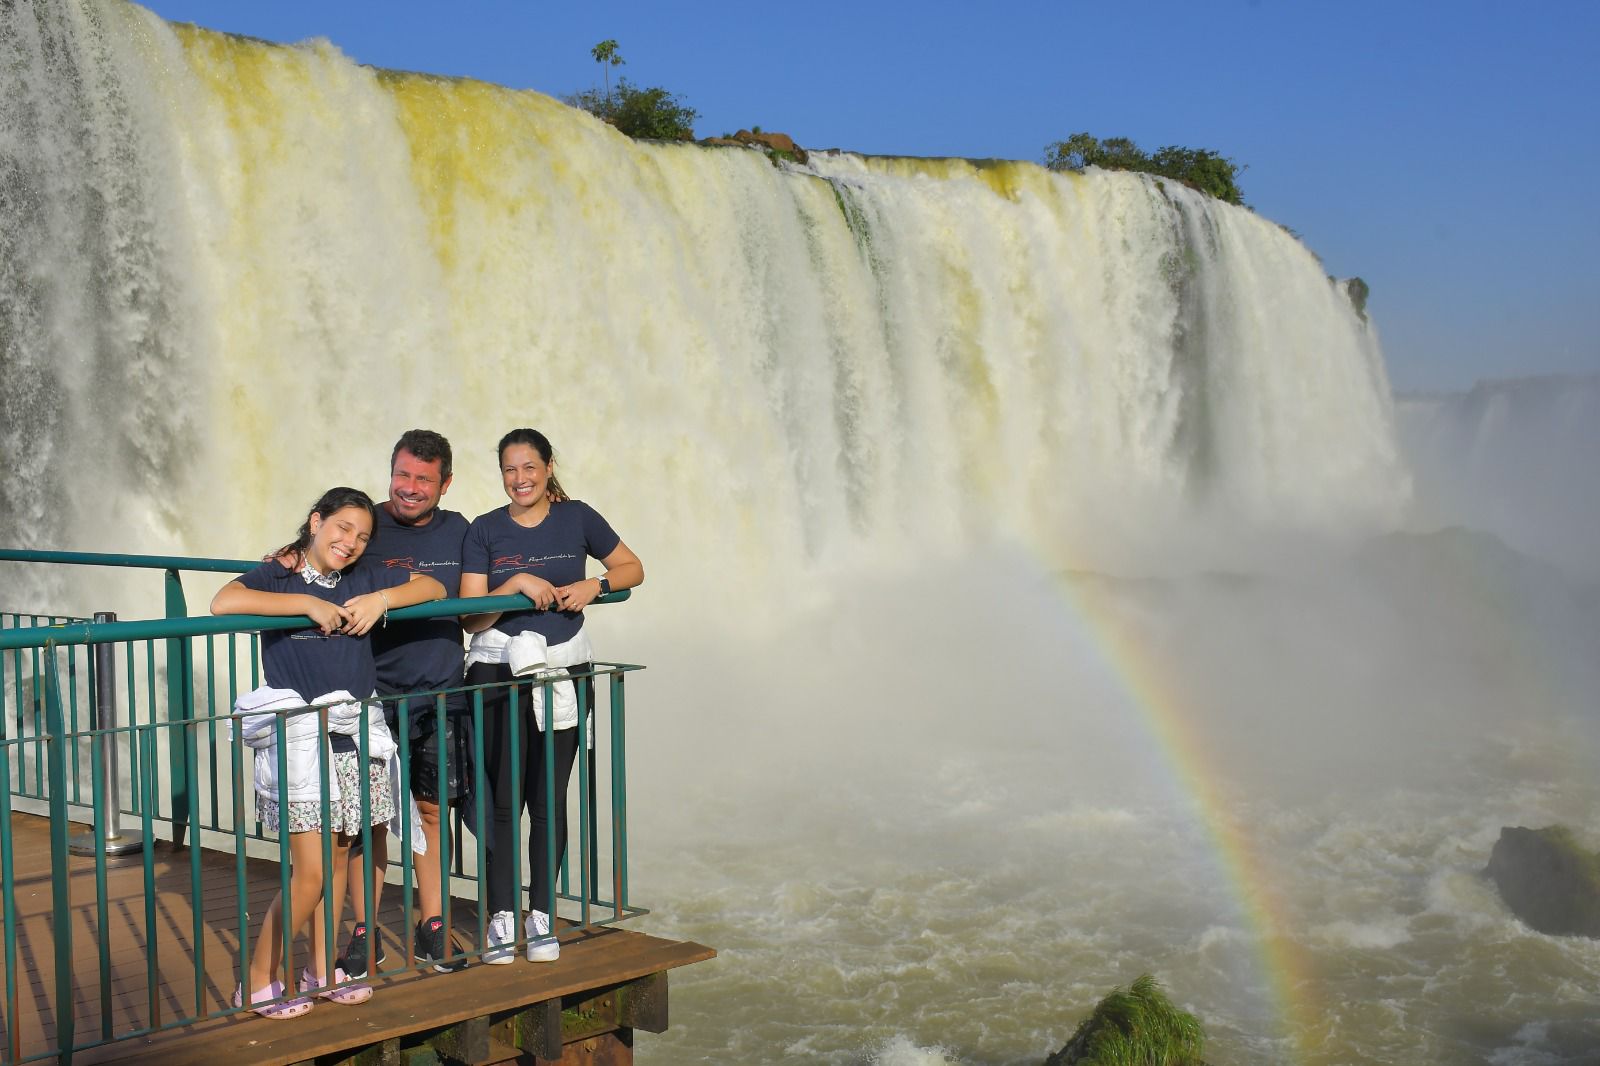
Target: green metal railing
[[62, 741]]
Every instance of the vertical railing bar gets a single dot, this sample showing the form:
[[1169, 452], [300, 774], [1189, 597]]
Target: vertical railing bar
[[153, 769], [407, 887], [618, 799], [73, 728], [485, 829], [586, 878], [325, 774], [39, 752], [441, 788], [241, 882], [620, 715], [514, 737], [60, 872], [211, 725], [180, 707], [281, 735], [148, 744], [363, 760], [548, 736], [97, 760], [135, 748], [8, 916], [191, 756]]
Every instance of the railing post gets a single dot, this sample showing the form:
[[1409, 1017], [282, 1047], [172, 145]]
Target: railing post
[[105, 718], [180, 708], [61, 887]]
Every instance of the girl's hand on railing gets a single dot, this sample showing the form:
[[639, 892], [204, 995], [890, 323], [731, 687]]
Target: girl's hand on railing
[[364, 612], [537, 589], [329, 617]]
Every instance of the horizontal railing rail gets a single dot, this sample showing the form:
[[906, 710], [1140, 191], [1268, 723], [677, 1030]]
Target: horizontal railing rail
[[149, 562], [88, 632]]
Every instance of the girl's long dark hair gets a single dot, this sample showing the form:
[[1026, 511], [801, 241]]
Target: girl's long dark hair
[[541, 444], [330, 503]]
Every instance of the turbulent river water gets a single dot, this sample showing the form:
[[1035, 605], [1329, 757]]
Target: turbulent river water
[[1038, 589]]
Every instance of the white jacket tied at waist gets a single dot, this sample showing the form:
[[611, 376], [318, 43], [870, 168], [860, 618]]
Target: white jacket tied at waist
[[531, 657], [255, 716]]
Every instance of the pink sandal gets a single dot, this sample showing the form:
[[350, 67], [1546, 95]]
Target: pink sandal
[[291, 1009], [347, 994]]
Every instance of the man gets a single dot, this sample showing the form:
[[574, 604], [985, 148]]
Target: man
[[414, 533]]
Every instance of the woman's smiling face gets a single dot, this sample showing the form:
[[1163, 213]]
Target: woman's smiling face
[[338, 540], [526, 477]]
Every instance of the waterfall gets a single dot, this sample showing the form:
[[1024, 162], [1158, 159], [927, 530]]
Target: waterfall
[[234, 271]]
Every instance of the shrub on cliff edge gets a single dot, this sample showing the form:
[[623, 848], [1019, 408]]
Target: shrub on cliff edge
[[652, 113]]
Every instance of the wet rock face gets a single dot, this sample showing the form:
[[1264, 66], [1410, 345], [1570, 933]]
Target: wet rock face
[[1548, 880]]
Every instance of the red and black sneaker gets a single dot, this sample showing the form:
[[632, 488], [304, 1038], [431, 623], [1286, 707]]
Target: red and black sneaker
[[433, 946]]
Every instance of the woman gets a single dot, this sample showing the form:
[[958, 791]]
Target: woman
[[329, 664], [537, 545]]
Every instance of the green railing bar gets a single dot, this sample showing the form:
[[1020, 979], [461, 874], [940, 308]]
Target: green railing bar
[[180, 708], [619, 800], [163, 628], [152, 965], [151, 562], [61, 889], [586, 812], [8, 914], [97, 759]]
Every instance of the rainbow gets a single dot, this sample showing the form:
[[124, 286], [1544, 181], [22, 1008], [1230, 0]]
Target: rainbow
[[1285, 966]]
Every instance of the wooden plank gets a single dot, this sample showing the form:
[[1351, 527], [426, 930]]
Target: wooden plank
[[405, 1004]]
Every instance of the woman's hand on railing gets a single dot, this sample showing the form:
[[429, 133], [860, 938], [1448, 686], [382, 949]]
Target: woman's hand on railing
[[537, 589], [578, 595]]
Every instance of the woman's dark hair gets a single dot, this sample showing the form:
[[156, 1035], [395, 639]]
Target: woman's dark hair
[[541, 444], [330, 503]]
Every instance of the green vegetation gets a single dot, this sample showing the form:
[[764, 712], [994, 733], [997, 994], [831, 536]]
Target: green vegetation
[[652, 113], [1137, 1027], [1198, 168], [606, 54]]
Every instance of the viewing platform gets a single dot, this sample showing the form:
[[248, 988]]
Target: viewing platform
[[581, 1009], [132, 867]]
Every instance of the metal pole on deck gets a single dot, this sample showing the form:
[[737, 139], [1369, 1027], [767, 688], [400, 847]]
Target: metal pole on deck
[[104, 715]]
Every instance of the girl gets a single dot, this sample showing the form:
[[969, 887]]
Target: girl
[[328, 663], [537, 546]]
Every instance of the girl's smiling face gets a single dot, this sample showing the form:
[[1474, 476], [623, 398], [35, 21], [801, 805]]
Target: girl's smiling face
[[338, 540], [526, 477]]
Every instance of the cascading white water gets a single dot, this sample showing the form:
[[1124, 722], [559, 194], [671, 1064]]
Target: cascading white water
[[231, 273], [235, 270]]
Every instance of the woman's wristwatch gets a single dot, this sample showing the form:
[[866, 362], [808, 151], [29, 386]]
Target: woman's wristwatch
[[605, 585]]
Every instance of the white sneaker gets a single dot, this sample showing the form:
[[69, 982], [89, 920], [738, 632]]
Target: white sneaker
[[542, 947], [502, 949]]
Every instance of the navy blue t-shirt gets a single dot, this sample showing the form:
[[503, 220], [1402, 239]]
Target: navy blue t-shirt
[[312, 662], [557, 549], [424, 654]]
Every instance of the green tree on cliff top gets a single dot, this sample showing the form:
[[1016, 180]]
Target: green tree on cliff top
[[606, 53], [1198, 168]]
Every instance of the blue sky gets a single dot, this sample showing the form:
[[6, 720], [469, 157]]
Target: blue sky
[[1445, 152]]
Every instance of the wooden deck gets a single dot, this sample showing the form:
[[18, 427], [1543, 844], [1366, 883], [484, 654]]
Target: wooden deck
[[612, 980]]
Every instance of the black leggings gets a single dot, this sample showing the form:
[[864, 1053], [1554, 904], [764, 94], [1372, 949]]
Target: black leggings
[[502, 875]]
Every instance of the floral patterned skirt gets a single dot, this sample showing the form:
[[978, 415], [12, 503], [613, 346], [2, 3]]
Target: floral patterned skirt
[[344, 813]]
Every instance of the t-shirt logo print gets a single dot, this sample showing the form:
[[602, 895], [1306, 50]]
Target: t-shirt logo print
[[407, 562]]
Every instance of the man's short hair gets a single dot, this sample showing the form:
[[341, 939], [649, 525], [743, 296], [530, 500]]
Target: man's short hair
[[426, 445]]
